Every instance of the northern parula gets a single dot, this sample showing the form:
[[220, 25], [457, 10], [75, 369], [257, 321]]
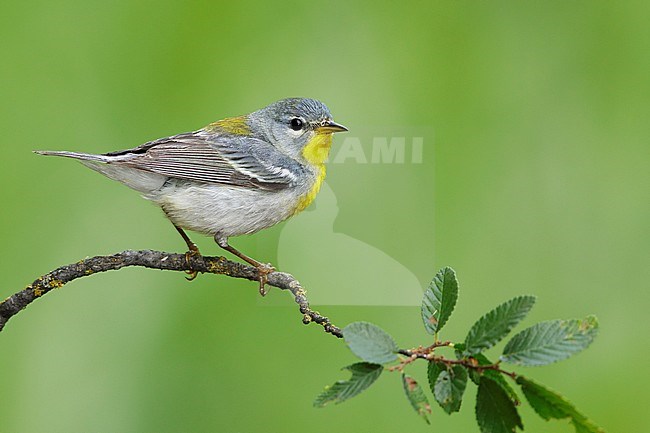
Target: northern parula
[[235, 176]]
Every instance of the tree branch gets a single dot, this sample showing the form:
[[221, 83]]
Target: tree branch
[[163, 261], [213, 265]]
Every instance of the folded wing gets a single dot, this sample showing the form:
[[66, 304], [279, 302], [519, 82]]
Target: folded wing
[[203, 157]]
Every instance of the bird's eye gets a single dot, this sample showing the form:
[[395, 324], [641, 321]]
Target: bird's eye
[[296, 123]]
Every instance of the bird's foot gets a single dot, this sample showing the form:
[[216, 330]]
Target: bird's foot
[[191, 273], [264, 269]]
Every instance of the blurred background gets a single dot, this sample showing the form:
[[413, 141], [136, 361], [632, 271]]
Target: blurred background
[[533, 180]]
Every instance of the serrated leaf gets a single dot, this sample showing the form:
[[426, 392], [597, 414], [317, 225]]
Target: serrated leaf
[[433, 370], [439, 300], [496, 324], [495, 412], [370, 343], [550, 405], [416, 396], [364, 374], [551, 341], [495, 376], [449, 388]]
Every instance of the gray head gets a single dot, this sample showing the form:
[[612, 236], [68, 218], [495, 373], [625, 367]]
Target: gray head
[[289, 124]]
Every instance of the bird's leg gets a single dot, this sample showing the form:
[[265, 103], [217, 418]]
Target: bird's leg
[[192, 250], [263, 269]]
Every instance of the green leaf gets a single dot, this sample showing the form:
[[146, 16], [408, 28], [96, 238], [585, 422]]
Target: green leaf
[[416, 396], [433, 370], [363, 375], [439, 300], [491, 328], [551, 341], [495, 412], [550, 405], [370, 343], [495, 376], [449, 388]]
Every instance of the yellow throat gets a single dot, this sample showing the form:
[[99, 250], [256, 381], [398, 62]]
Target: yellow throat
[[316, 153]]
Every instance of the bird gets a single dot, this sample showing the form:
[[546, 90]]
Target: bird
[[235, 176]]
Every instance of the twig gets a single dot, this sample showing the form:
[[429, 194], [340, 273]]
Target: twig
[[427, 353], [163, 261]]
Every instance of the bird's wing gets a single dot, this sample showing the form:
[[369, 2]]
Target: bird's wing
[[203, 157]]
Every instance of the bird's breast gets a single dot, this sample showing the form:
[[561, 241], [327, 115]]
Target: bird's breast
[[307, 198], [315, 152]]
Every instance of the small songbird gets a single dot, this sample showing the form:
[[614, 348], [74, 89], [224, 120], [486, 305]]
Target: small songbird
[[235, 176]]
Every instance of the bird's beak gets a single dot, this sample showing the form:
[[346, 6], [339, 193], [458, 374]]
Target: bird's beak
[[330, 126]]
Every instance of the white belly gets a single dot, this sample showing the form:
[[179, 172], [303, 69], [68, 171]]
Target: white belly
[[229, 211]]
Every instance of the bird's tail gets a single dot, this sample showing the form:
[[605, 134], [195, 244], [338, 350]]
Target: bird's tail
[[74, 155], [109, 166]]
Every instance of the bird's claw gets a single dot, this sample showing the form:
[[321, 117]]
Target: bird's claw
[[191, 272], [264, 269]]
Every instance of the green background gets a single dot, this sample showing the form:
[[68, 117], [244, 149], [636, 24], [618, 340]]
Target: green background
[[537, 182]]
